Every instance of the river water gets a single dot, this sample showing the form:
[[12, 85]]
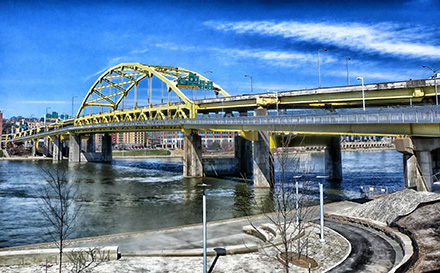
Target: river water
[[140, 194]]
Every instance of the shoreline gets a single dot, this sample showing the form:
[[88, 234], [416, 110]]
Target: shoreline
[[207, 155], [167, 247]]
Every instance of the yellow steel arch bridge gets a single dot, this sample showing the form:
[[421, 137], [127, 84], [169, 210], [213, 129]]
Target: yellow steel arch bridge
[[108, 100], [112, 87]]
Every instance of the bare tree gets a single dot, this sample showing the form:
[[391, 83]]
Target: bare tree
[[290, 211], [83, 261], [58, 208]]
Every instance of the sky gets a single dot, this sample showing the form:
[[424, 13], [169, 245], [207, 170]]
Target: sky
[[52, 52]]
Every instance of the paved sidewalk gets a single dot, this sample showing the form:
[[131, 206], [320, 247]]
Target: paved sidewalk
[[187, 240]]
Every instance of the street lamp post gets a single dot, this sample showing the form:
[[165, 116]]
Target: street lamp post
[[209, 71], [348, 76], [249, 76], [319, 67], [73, 98], [204, 226], [321, 206], [363, 92], [434, 71]]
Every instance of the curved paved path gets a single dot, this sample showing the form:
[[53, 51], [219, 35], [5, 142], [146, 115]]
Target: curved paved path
[[370, 252]]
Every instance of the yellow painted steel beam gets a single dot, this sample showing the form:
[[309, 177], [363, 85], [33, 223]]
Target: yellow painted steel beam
[[130, 74], [249, 135], [375, 94]]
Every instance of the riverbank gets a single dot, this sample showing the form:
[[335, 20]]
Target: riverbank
[[179, 249], [414, 213]]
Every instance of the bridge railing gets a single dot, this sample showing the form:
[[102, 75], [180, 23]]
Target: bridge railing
[[429, 114], [395, 115]]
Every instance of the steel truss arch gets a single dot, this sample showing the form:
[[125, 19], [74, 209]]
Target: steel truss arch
[[125, 76]]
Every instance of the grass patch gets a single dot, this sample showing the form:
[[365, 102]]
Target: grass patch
[[142, 152]]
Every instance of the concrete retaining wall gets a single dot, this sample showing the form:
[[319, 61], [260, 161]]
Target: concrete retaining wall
[[38, 256]]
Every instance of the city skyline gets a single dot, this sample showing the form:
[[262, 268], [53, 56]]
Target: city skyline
[[52, 53]]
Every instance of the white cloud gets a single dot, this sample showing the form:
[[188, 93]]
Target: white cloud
[[112, 62], [139, 51], [383, 38], [277, 58]]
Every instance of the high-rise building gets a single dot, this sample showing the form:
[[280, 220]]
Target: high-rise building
[[130, 140]]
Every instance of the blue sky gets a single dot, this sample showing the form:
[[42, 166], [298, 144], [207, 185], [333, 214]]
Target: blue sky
[[51, 51]]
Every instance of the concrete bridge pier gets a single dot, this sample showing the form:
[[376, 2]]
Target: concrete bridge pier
[[57, 149], [333, 159], [34, 147], [91, 148], [192, 155], [263, 161], [75, 148], [106, 148], [264, 173], [243, 154], [90, 155], [421, 161], [47, 147]]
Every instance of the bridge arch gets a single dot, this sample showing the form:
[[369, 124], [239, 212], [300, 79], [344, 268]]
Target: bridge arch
[[110, 89]]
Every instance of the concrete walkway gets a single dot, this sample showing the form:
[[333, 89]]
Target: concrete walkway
[[184, 240]]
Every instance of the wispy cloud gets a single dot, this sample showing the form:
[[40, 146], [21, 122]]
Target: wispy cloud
[[112, 62], [382, 38], [271, 57], [276, 58]]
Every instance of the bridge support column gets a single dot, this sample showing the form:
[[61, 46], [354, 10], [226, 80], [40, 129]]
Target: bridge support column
[[74, 148], [106, 148], [57, 154], [91, 148], [47, 147], [264, 172], [420, 161], [243, 152], [192, 155], [333, 161], [263, 162], [34, 147]]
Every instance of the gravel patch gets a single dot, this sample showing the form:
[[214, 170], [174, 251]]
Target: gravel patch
[[424, 225], [388, 208]]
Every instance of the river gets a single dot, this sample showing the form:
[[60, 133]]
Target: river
[[140, 194]]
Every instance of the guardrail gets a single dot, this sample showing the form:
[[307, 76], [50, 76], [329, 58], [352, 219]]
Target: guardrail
[[397, 115]]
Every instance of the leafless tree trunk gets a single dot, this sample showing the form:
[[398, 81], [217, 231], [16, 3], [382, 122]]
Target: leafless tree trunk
[[291, 210], [57, 207]]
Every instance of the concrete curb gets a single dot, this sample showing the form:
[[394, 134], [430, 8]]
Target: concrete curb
[[402, 239], [242, 249], [36, 256], [346, 255]]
